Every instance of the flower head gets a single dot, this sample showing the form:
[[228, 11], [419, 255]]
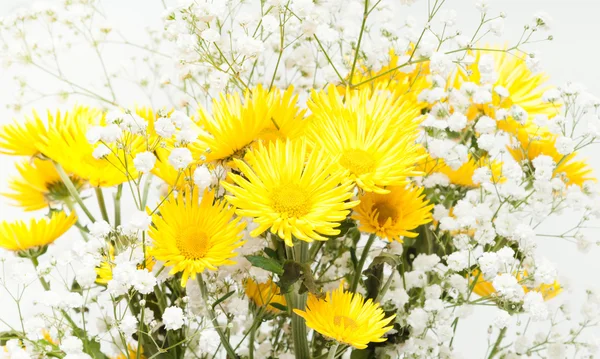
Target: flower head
[[368, 138], [264, 294], [395, 214], [21, 236], [289, 190], [346, 318], [38, 185], [192, 235]]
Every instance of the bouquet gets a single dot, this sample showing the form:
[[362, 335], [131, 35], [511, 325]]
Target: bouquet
[[306, 179]]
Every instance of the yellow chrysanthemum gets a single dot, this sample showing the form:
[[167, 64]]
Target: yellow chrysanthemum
[[22, 138], [367, 138], [235, 123], [67, 145], [484, 288], [192, 235], [21, 236], [104, 272], [290, 191], [463, 176], [405, 81], [263, 294], [38, 186], [395, 214], [525, 87], [346, 318], [166, 172], [572, 171]]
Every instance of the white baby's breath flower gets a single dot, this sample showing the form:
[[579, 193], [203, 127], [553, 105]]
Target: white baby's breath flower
[[144, 161], [180, 158]]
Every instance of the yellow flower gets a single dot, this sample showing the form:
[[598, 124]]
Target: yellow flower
[[165, 171], [463, 176], [22, 138], [38, 186], [396, 79], [484, 288], [235, 123], [529, 147], [395, 214], [20, 236], [368, 138], [192, 235], [346, 318], [104, 272], [67, 145], [264, 294], [290, 191], [525, 88]]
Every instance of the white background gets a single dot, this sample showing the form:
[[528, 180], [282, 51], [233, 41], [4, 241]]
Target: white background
[[572, 56]]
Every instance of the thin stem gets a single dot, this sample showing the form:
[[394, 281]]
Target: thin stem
[[497, 343], [251, 343], [117, 200], [213, 318], [101, 203], [361, 263], [72, 190], [333, 351], [385, 288], [360, 36]]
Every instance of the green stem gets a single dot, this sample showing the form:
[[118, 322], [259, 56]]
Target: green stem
[[101, 203], [497, 344], [117, 200], [361, 263], [385, 288], [211, 313], [333, 351], [360, 36], [73, 191], [298, 301], [146, 190], [251, 343]]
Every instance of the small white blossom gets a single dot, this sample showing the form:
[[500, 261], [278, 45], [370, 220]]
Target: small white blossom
[[144, 161], [173, 318], [180, 158]]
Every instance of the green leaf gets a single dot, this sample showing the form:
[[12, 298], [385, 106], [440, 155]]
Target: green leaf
[[279, 306], [222, 299], [375, 273], [270, 252], [292, 272], [308, 281], [267, 264], [362, 354], [8, 335]]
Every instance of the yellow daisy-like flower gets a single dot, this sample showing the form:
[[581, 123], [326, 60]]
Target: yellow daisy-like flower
[[463, 176], [525, 87], [67, 145], [394, 77], [104, 272], [346, 318], [484, 288], [21, 236], [38, 186], [263, 294], [395, 214], [369, 138], [22, 138], [236, 123], [192, 235], [290, 191], [529, 147]]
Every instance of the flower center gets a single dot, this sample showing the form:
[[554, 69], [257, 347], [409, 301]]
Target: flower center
[[290, 200], [345, 321], [357, 161], [192, 243], [385, 210]]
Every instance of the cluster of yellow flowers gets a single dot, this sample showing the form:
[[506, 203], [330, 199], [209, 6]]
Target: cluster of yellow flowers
[[296, 171]]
